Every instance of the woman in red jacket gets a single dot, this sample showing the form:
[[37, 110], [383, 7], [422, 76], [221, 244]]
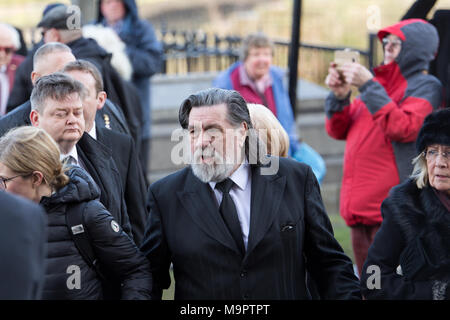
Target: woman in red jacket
[[381, 125]]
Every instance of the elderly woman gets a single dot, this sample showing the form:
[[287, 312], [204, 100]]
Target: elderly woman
[[30, 167], [258, 81], [410, 256]]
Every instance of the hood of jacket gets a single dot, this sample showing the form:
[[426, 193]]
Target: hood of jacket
[[131, 7], [420, 42], [80, 188]]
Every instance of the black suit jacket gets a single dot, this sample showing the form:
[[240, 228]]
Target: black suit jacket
[[111, 117], [20, 116], [23, 240], [99, 163], [290, 233], [132, 177]]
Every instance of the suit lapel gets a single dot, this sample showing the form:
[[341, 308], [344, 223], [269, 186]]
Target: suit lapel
[[95, 157], [199, 201], [267, 193]]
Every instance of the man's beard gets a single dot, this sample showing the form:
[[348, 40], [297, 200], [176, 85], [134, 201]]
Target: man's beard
[[218, 170]]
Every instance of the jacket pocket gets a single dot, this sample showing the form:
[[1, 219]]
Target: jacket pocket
[[288, 230]]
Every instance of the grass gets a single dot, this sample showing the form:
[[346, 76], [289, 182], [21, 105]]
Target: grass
[[341, 233]]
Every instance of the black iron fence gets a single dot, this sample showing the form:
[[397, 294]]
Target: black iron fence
[[187, 51]]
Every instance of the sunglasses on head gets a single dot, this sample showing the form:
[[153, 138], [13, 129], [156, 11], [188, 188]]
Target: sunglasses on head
[[8, 50]]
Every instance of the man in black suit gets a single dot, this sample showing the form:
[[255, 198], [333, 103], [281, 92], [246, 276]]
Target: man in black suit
[[23, 239], [121, 145], [57, 107], [234, 228], [48, 59]]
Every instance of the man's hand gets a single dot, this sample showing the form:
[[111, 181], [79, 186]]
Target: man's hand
[[355, 74], [333, 80]]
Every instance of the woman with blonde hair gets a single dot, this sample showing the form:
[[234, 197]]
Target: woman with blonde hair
[[269, 130], [411, 251], [30, 166], [276, 138]]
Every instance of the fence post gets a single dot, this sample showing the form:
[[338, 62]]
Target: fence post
[[293, 54], [372, 50]]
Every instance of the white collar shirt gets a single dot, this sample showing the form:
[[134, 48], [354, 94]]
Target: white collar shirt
[[4, 89]]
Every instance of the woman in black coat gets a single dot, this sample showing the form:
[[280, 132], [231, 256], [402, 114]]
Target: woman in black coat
[[30, 166], [410, 256]]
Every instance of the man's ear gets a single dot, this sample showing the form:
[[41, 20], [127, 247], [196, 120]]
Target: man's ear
[[34, 77], [244, 130], [34, 118], [101, 98]]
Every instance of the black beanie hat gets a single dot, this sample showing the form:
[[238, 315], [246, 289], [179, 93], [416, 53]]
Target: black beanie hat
[[435, 129]]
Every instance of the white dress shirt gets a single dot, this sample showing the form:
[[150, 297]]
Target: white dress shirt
[[4, 89], [93, 132], [241, 194]]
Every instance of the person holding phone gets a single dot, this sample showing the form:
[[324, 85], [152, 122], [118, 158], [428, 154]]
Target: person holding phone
[[381, 124]]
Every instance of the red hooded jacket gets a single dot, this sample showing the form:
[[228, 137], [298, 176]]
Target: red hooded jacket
[[381, 125]]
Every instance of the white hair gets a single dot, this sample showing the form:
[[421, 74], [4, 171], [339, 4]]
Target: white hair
[[15, 38], [110, 41]]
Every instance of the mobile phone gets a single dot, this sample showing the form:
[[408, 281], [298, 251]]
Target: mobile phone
[[345, 56]]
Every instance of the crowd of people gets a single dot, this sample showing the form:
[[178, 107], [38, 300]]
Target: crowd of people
[[245, 219]]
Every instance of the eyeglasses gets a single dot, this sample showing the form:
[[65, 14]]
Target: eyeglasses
[[4, 180], [8, 50], [393, 42], [432, 155]]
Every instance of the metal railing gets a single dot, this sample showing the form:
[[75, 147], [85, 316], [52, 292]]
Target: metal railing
[[188, 51]]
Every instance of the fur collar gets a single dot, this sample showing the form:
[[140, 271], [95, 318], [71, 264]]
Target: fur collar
[[420, 213]]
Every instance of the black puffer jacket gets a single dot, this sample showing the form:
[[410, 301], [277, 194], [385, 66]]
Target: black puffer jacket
[[115, 251]]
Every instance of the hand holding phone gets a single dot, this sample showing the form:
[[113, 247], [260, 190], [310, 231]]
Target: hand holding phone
[[344, 56]]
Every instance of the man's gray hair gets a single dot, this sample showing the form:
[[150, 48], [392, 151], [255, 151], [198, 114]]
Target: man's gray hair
[[15, 38], [255, 40], [86, 67], [57, 86], [47, 49], [237, 113]]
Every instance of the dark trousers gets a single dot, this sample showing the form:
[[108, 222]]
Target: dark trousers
[[362, 238]]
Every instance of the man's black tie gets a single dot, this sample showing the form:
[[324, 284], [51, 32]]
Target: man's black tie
[[229, 213]]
